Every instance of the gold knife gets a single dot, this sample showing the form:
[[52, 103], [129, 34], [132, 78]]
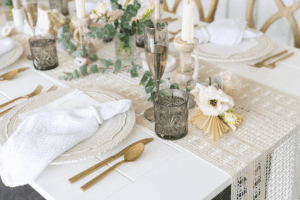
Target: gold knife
[[19, 70], [106, 161]]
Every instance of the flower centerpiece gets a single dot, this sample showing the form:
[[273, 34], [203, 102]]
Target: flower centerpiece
[[215, 114], [121, 22]]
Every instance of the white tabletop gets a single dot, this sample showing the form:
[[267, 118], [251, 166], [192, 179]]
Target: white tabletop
[[166, 170]]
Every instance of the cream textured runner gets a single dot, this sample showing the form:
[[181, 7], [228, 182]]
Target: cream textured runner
[[260, 155]]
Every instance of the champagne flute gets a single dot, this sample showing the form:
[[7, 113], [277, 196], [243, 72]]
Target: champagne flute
[[156, 51], [31, 15]]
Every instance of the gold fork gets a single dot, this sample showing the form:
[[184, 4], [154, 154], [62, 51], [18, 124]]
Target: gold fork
[[37, 91], [272, 65], [9, 75], [53, 88], [262, 63]]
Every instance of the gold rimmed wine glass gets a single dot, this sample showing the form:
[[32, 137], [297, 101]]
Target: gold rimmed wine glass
[[156, 51], [31, 15]]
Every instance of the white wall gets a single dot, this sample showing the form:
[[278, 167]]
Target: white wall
[[279, 31]]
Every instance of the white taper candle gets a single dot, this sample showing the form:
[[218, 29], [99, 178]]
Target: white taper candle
[[187, 21], [157, 10], [80, 9], [16, 4]]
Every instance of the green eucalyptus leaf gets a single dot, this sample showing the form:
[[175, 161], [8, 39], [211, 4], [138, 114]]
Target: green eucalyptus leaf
[[217, 79], [136, 5], [75, 74], [110, 30], [94, 57], [104, 70], [94, 69], [83, 70], [118, 65], [68, 73], [65, 28], [61, 78], [150, 85], [203, 83], [174, 86], [134, 73], [106, 62], [115, 5]]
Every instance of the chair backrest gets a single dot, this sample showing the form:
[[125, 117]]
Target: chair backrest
[[211, 13], [283, 11]]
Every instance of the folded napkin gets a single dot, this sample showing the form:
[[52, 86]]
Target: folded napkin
[[41, 137], [225, 31], [6, 45]]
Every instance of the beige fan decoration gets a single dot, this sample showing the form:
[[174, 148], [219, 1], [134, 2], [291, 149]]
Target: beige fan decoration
[[215, 114]]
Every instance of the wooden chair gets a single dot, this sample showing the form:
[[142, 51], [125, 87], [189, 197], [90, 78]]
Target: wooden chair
[[210, 16], [283, 11]]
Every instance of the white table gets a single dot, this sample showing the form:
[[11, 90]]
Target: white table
[[171, 171]]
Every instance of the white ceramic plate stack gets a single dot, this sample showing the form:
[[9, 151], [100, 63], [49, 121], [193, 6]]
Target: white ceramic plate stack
[[265, 46], [109, 135], [13, 55]]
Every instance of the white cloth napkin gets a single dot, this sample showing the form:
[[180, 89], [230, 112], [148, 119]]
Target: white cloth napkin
[[41, 137], [225, 31], [6, 45]]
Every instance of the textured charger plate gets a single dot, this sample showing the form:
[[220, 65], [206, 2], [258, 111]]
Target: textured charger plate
[[264, 47], [109, 135], [12, 56]]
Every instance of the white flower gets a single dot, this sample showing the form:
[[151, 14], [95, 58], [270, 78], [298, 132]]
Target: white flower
[[115, 15], [100, 11], [212, 102], [125, 3], [6, 31]]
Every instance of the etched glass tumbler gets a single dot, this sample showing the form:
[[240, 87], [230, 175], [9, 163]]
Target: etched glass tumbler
[[171, 114], [44, 53]]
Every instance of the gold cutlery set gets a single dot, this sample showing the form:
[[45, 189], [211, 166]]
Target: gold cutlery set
[[131, 154], [272, 65], [10, 75], [37, 91]]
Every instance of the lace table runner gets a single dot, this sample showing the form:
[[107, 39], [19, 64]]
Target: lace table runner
[[260, 156]]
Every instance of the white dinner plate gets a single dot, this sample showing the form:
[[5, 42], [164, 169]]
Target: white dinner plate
[[116, 129], [264, 45], [12, 56]]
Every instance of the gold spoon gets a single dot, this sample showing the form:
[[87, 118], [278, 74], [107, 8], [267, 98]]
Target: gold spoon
[[131, 155], [8, 76]]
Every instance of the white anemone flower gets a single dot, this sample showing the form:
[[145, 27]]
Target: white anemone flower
[[211, 101], [6, 31]]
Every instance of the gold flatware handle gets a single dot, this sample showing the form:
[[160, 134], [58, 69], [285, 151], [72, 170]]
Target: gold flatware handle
[[106, 161], [284, 57], [6, 111], [19, 70], [274, 56], [272, 65], [91, 169], [101, 176], [14, 100], [23, 69]]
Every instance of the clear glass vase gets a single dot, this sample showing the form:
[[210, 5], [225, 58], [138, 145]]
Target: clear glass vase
[[125, 52]]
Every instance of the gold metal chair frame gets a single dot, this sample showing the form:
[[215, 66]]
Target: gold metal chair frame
[[283, 11]]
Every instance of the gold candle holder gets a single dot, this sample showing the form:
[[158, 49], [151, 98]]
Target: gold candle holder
[[185, 72]]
